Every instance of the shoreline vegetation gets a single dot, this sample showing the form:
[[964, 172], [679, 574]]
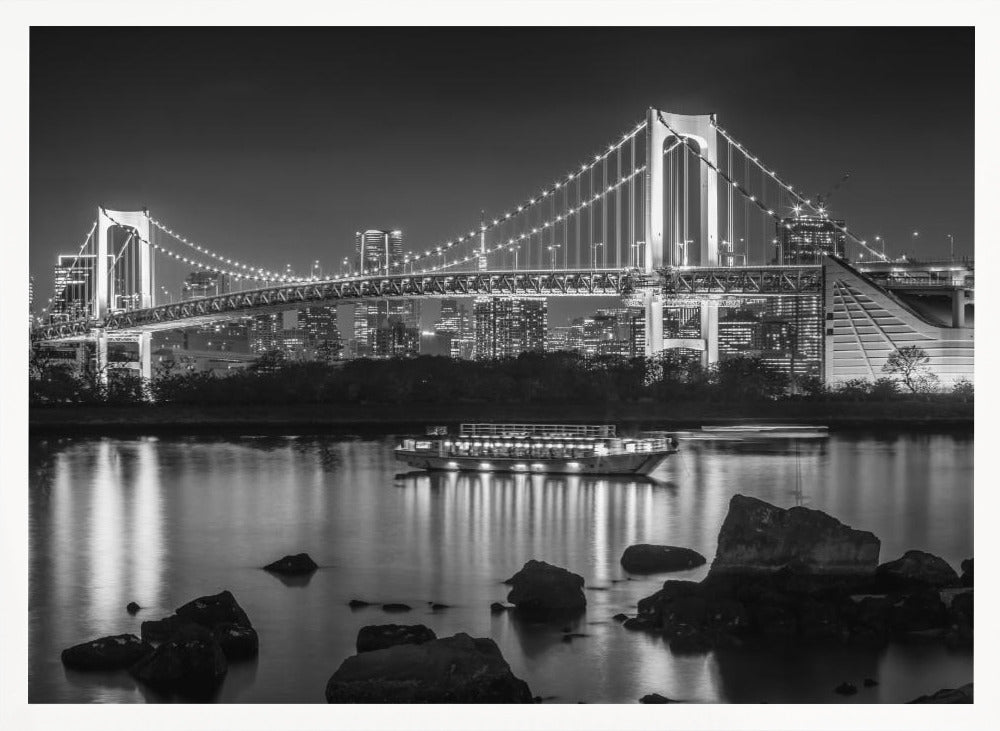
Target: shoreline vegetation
[[901, 416], [276, 394]]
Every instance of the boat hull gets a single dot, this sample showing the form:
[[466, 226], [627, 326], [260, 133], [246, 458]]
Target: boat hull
[[642, 463]]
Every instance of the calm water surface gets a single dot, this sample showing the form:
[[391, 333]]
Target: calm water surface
[[160, 521]]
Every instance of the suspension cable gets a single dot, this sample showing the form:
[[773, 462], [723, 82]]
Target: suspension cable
[[791, 191]]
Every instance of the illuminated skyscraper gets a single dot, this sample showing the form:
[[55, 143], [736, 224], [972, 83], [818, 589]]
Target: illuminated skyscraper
[[73, 283], [507, 326], [318, 324], [204, 284], [374, 247], [804, 239], [265, 332]]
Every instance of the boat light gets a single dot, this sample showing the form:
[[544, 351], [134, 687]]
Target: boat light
[[452, 465], [520, 467], [538, 466], [485, 466], [573, 465]]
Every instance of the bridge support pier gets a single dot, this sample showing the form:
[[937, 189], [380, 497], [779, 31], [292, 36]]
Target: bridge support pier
[[101, 356], [653, 303], [145, 356], [958, 308], [710, 332]]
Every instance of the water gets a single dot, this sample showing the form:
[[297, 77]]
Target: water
[[162, 520]]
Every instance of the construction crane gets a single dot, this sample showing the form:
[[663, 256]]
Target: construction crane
[[821, 200]]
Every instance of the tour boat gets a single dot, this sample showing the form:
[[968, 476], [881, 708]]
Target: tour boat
[[571, 449]]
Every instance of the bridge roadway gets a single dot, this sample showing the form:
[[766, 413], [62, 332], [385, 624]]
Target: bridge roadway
[[676, 281]]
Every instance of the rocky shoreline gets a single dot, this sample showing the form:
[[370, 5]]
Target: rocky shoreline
[[794, 576]]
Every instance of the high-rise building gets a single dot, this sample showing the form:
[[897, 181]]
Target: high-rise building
[[370, 316], [73, 284], [204, 284], [374, 247], [740, 332], [508, 326], [805, 239], [319, 327], [265, 332], [379, 250]]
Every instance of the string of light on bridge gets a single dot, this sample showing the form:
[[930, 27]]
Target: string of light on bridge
[[266, 274], [525, 206], [791, 191], [546, 224]]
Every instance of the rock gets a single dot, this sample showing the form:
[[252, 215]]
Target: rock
[[106, 653], [380, 636], [644, 558], [869, 682], [656, 698], [915, 570], [457, 669], [437, 606], [960, 621], [237, 643], [948, 695], [190, 663], [620, 617], [208, 611], [132, 607], [161, 630], [846, 688], [498, 608], [757, 537], [918, 612], [396, 607], [542, 587], [300, 563], [358, 603], [638, 623], [966, 577]]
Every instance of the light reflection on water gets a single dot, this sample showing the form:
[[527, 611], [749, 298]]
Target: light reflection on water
[[160, 521]]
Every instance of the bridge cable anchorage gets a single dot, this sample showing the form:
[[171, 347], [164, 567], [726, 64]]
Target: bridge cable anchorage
[[589, 203], [267, 275], [791, 191], [528, 204]]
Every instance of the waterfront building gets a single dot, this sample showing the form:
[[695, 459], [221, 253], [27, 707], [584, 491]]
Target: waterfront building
[[508, 326], [804, 239]]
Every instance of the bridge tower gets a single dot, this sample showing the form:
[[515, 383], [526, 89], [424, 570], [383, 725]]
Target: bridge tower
[[104, 280], [699, 129]]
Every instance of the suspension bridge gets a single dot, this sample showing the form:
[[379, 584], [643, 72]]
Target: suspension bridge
[[674, 206]]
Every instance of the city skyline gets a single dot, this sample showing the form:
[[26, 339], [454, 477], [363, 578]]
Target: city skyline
[[435, 182]]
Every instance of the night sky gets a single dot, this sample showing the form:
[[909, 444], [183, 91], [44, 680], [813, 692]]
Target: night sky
[[275, 145]]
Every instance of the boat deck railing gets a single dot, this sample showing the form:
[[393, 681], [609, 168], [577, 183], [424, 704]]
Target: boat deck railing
[[600, 431]]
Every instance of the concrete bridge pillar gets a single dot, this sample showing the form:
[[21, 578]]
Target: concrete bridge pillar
[[700, 129], [653, 303], [710, 332], [958, 308]]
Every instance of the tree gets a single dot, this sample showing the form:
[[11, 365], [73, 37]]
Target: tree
[[909, 364]]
